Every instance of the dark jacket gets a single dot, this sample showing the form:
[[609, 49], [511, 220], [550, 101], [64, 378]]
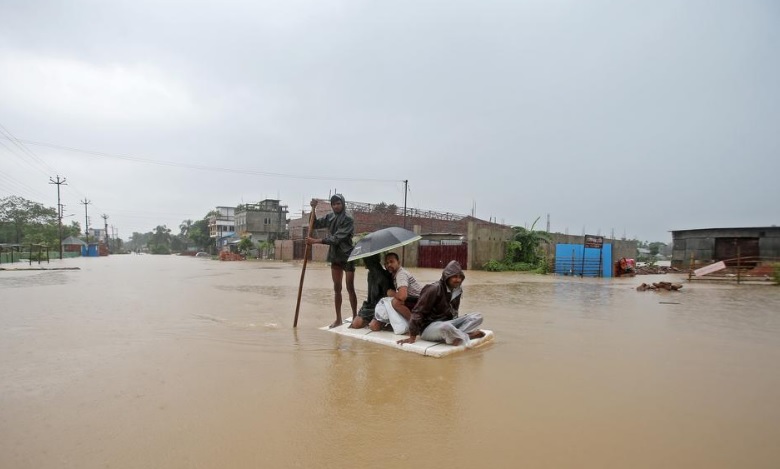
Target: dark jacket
[[341, 228], [379, 281], [436, 302]]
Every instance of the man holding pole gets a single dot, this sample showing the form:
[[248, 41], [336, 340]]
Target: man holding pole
[[341, 228]]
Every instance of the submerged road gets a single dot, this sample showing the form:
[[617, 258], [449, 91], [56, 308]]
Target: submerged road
[[163, 361]]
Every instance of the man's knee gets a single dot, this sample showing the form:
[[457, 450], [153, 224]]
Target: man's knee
[[447, 328], [476, 317], [375, 325], [397, 303]]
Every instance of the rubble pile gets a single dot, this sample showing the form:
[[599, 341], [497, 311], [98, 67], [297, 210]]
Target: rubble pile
[[230, 256], [656, 269], [669, 286]]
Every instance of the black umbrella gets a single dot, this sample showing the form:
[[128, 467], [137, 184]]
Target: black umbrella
[[383, 240]]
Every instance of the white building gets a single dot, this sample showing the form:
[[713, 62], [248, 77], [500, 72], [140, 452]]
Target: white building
[[222, 222]]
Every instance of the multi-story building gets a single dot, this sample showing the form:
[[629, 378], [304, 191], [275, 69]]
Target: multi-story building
[[222, 222], [263, 221], [97, 235]]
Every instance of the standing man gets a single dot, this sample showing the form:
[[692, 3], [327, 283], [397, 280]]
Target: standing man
[[435, 317], [341, 228]]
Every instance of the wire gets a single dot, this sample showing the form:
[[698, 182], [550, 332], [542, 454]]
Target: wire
[[202, 167], [18, 186], [43, 166]]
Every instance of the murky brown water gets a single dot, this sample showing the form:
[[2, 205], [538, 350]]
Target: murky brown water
[[145, 361]]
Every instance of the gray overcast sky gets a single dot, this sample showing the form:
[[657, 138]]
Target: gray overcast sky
[[637, 116]]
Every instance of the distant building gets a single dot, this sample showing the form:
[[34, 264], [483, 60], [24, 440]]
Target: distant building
[[97, 235], [223, 242], [446, 236], [372, 217], [72, 244], [263, 221], [222, 222], [751, 245]]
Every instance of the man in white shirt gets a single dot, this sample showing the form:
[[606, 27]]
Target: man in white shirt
[[406, 293]]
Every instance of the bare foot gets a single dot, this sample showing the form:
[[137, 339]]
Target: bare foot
[[476, 334], [336, 323]]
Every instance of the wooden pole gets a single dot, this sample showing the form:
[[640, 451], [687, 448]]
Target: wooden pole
[[739, 264], [312, 217]]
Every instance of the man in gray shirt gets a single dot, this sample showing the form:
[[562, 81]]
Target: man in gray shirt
[[406, 293]]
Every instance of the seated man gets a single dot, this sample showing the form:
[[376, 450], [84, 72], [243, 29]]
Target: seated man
[[435, 317], [379, 281], [406, 292]]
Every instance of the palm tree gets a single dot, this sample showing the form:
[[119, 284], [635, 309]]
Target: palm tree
[[185, 228]]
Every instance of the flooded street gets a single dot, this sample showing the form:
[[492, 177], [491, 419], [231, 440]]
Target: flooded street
[[163, 361]]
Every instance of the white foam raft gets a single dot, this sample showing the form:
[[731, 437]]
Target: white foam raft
[[423, 347]]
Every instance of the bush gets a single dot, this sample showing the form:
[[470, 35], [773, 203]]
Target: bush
[[160, 249], [776, 273], [494, 266], [498, 266]]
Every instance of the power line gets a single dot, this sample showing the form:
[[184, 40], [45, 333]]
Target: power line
[[24, 160], [19, 186], [204, 167], [5, 133]]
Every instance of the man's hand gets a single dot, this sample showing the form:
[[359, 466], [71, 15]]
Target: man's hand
[[410, 340], [313, 241], [313, 203]]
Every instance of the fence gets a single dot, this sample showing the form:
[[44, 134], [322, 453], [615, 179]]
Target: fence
[[740, 269], [577, 260]]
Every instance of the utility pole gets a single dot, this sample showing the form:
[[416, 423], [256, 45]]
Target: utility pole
[[86, 219], [406, 191], [105, 227], [59, 182]]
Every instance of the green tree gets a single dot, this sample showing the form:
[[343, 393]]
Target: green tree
[[245, 245], [199, 234], [161, 240], [524, 245], [26, 221], [184, 235], [655, 247], [266, 248], [139, 240], [74, 229]]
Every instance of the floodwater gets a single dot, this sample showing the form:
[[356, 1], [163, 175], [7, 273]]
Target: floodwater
[[161, 361]]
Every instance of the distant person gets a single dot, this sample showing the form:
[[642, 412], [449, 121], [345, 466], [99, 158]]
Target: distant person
[[406, 292], [379, 282], [435, 317], [341, 228]]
